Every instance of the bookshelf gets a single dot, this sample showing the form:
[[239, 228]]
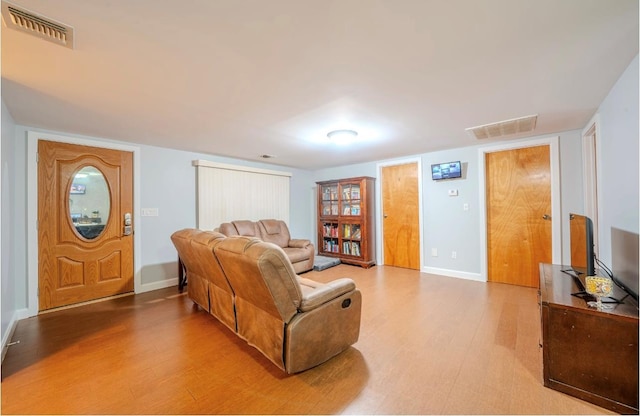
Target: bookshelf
[[346, 226]]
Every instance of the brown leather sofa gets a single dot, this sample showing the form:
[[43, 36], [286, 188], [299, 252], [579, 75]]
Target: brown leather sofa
[[296, 323], [301, 252], [208, 286]]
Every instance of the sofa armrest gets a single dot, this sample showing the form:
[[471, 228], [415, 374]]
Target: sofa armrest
[[315, 294], [299, 243]]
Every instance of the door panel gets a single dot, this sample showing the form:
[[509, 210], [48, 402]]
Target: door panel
[[518, 199], [400, 216], [83, 252]]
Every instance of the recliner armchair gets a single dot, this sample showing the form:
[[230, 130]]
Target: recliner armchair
[[301, 252], [295, 322]]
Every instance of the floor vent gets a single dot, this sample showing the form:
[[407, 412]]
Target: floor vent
[[26, 21], [504, 128]]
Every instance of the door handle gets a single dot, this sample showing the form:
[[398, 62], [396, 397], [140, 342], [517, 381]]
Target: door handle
[[127, 229], [546, 217]]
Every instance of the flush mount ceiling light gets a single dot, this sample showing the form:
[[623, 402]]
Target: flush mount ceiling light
[[340, 135]]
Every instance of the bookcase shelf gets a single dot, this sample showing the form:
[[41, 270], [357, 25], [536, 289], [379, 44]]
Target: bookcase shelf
[[346, 220]]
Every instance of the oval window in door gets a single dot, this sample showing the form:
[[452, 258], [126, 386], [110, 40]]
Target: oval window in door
[[89, 202]]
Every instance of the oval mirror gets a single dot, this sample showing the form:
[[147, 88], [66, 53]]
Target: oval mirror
[[89, 202]]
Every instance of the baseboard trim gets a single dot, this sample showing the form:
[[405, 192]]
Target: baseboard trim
[[8, 335], [454, 273], [148, 287]]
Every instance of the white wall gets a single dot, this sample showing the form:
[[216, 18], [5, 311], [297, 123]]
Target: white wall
[[167, 182], [10, 263], [446, 226], [617, 159]]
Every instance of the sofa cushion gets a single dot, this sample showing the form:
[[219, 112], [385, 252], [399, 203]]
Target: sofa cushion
[[227, 229], [246, 228], [296, 254], [275, 231]]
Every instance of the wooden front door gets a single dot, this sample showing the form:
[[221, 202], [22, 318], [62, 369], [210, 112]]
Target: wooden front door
[[400, 216], [85, 249], [518, 214]]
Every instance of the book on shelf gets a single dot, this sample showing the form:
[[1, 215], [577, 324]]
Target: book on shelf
[[330, 230], [355, 248], [355, 192], [356, 234], [355, 209], [334, 210]]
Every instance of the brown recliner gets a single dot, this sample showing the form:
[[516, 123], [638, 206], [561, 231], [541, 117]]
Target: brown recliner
[[296, 323], [207, 286], [301, 252]]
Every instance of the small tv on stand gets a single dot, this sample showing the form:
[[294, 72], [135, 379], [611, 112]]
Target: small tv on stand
[[583, 256]]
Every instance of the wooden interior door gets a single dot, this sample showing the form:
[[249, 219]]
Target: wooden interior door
[[400, 216], [85, 249], [518, 187]]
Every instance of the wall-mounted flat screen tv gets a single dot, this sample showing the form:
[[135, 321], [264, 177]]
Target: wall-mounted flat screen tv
[[449, 170]]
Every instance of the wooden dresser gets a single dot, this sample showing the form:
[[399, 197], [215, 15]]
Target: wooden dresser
[[589, 354]]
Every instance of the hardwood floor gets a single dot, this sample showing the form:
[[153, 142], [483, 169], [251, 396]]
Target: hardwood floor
[[428, 345]]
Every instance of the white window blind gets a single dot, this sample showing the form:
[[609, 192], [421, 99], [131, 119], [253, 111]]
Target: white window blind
[[228, 192]]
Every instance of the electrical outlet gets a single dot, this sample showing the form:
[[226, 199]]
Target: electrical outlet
[[465, 207], [434, 252], [454, 254]]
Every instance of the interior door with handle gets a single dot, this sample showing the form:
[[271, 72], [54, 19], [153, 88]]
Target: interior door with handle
[[401, 222], [85, 229], [518, 189]]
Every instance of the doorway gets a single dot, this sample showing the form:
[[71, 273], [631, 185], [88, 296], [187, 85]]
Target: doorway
[[590, 168], [85, 231], [400, 212], [31, 212], [553, 219], [518, 214]]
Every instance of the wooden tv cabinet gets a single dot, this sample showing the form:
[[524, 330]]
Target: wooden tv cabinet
[[589, 354]]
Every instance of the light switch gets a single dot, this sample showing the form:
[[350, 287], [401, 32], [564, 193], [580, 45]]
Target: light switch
[[149, 212], [465, 206]]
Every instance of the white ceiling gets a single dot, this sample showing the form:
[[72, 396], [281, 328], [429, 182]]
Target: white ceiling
[[242, 78]]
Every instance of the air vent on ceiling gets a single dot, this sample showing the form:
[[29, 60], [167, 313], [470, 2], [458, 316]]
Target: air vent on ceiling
[[26, 21], [504, 128]]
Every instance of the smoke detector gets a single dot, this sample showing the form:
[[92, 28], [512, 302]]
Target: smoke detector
[[26, 21], [504, 128]]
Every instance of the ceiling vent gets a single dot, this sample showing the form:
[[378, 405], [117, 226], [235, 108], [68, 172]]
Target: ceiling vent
[[504, 128], [26, 21]]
